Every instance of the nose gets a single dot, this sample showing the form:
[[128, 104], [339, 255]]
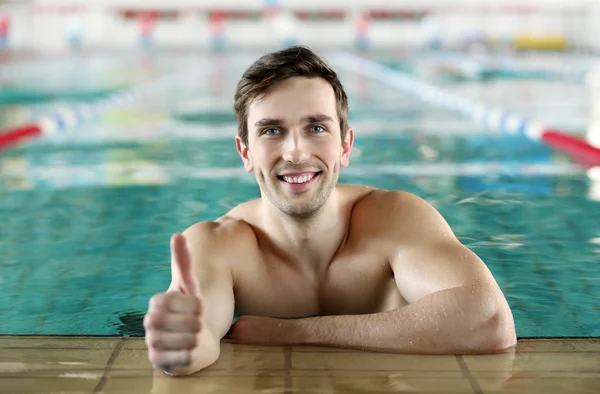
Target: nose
[[296, 149]]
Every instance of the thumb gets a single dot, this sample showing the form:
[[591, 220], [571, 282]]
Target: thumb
[[182, 258]]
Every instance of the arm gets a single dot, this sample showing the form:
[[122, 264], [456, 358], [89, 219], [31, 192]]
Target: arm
[[216, 288], [451, 321], [455, 305]]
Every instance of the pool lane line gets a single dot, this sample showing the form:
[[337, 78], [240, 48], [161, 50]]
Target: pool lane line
[[479, 64], [493, 117], [65, 119]]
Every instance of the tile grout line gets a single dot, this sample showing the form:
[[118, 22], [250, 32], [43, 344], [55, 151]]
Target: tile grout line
[[109, 364], [464, 368], [287, 368]]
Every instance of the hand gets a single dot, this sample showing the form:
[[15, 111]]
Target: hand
[[174, 319]]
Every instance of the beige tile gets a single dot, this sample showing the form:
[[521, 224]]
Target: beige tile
[[544, 362], [381, 383], [83, 373], [39, 342], [528, 370], [34, 385], [226, 346], [504, 362], [139, 343], [238, 357], [217, 373], [67, 364], [545, 385], [497, 382], [231, 359], [558, 345], [362, 374], [140, 373], [25, 359], [322, 349], [134, 344], [372, 362], [136, 359], [207, 384]]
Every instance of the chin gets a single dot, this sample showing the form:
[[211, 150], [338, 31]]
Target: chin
[[313, 204], [298, 209], [299, 204], [301, 213]]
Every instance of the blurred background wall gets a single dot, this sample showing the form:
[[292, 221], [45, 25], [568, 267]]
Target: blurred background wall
[[59, 25]]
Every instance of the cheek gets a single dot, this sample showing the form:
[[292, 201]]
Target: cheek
[[265, 160], [334, 153], [257, 154]]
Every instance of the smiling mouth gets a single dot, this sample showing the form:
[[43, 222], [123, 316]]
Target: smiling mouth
[[299, 179]]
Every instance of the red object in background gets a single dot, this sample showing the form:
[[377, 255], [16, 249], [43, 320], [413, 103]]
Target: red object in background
[[216, 20], [18, 134], [147, 22], [362, 24], [4, 23], [330, 14], [383, 14], [578, 149]]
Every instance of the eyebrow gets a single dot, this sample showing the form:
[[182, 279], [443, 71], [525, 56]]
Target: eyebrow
[[268, 122], [316, 118], [307, 119]]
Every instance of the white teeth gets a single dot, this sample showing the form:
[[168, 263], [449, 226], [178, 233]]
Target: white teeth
[[298, 179]]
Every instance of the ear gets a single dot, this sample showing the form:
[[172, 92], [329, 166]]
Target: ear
[[347, 147], [244, 153]]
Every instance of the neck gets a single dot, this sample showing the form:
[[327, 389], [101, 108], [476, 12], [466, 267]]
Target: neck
[[308, 242]]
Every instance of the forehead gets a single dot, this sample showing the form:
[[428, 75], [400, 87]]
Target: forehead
[[295, 97]]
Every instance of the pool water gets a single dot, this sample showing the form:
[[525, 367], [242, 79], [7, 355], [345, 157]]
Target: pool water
[[87, 216]]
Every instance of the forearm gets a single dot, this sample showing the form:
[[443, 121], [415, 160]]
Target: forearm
[[459, 320]]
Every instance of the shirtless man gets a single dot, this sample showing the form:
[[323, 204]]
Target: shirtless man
[[313, 261]]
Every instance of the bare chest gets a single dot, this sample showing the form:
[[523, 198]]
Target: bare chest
[[352, 284]]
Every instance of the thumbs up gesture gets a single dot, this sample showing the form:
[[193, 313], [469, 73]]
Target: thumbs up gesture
[[174, 320]]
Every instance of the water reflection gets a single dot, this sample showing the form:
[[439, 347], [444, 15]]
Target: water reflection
[[393, 374]]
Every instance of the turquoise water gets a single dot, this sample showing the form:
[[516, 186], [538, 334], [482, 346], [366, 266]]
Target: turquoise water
[[86, 218]]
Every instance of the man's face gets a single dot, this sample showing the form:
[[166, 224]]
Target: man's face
[[294, 145]]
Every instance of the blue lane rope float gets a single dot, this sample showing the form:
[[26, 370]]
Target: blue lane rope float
[[492, 117], [67, 118]]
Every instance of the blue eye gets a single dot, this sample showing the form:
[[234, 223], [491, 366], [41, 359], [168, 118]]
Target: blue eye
[[317, 129], [271, 131]]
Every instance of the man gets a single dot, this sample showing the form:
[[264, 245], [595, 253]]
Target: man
[[313, 261]]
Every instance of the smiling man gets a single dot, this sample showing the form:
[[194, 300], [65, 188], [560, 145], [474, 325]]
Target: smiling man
[[313, 261]]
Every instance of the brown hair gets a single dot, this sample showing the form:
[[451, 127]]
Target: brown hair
[[296, 61]]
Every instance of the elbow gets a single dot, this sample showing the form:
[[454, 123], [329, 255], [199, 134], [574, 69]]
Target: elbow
[[502, 334], [492, 329], [498, 333]]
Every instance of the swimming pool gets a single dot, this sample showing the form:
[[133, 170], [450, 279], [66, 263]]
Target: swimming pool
[[86, 217]]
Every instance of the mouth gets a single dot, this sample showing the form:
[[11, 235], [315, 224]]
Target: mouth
[[299, 181]]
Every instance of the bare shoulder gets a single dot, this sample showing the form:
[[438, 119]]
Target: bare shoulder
[[397, 212], [353, 194], [225, 235], [383, 201]]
